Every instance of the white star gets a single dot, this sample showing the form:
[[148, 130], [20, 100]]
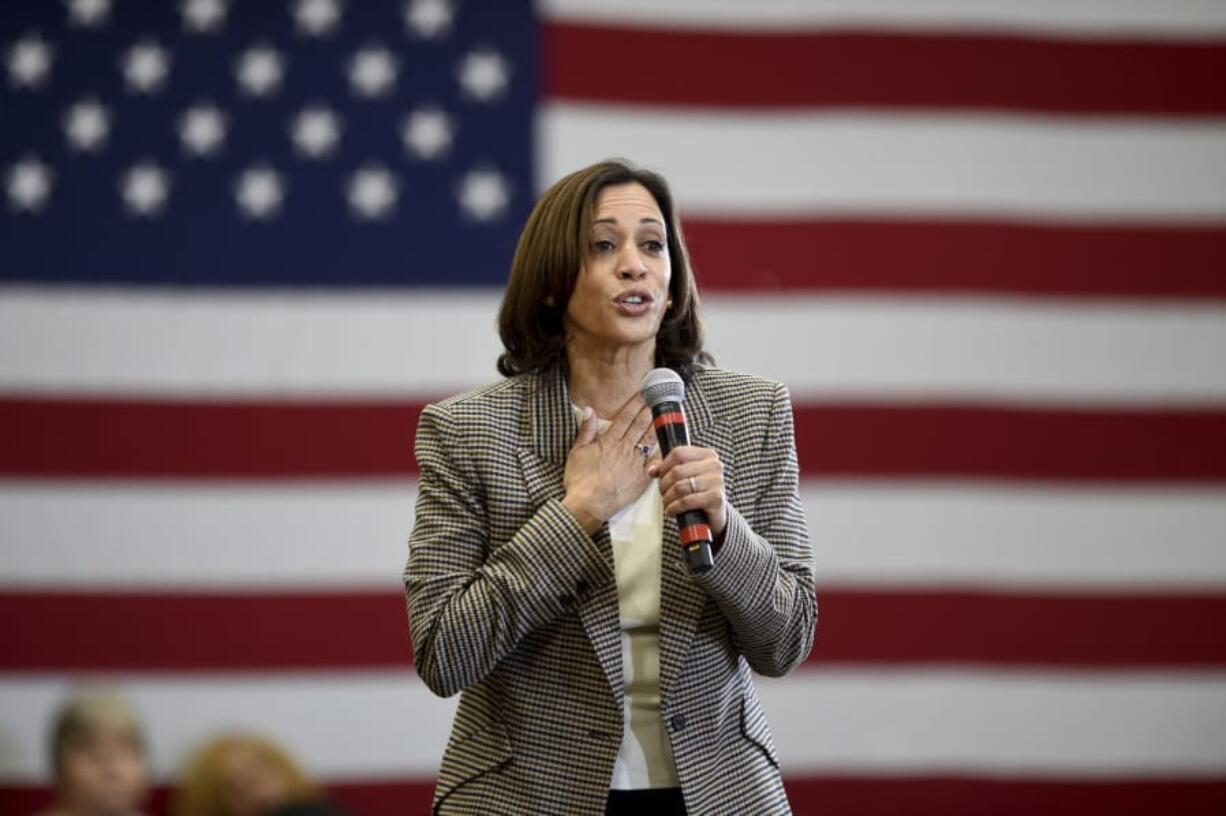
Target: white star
[[87, 124], [315, 131], [202, 129], [145, 188], [29, 61], [429, 18], [427, 133], [29, 185], [483, 74], [484, 194], [317, 18], [372, 192], [259, 192], [203, 16], [88, 13], [260, 70], [372, 71], [145, 67]]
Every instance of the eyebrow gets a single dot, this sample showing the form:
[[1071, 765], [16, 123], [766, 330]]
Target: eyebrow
[[641, 221]]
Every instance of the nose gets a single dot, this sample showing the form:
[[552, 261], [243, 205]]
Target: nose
[[631, 266]]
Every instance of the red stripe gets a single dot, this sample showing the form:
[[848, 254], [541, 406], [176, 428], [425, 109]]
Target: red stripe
[[96, 631], [82, 631], [60, 437], [143, 438], [865, 69], [671, 418], [959, 256], [815, 795], [979, 441], [694, 533], [909, 626]]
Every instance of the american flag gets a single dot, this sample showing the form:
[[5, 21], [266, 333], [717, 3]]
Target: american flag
[[984, 244]]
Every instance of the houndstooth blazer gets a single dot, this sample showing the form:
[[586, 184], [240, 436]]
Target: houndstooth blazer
[[511, 603]]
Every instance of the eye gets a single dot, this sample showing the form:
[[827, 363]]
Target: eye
[[602, 245], [654, 246]]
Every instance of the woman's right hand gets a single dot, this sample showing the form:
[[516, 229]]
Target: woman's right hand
[[606, 471]]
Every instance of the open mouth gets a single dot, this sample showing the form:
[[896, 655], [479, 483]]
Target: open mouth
[[634, 302]]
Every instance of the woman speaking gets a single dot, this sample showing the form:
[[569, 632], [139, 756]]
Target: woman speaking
[[546, 579]]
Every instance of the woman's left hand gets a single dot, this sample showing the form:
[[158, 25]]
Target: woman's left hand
[[692, 478]]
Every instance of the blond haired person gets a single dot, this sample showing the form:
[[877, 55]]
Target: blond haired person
[[245, 775], [98, 760]]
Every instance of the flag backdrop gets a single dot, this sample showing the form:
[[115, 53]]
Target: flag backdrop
[[984, 244]]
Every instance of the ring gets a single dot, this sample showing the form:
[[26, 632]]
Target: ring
[[645, 450], [693, 485]]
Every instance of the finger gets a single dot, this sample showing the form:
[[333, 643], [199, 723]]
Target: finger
[[707, 500], [693, 486], [640, 427], [690, 453], [626, 416], [673, 471], [653, 466], [587, 431]]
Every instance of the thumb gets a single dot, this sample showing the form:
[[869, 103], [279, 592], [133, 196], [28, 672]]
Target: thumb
[[587, 431]]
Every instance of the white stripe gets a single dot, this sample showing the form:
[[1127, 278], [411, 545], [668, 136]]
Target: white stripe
[[860, 162], [973, 722], [341, 534], [1192, 19], [1108, 724], [430, 344]]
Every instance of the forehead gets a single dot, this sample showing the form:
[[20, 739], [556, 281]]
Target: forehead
[[630, 202]]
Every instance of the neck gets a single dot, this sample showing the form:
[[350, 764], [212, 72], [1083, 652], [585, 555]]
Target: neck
[[606, 378]]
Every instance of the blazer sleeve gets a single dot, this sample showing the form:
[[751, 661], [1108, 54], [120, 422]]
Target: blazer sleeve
[[469, 605], [763, 574]]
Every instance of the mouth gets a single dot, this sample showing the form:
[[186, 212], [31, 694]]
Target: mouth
[[634, 302]]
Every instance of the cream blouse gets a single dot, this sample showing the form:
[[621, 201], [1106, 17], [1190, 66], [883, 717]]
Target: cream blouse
[[645, 759]]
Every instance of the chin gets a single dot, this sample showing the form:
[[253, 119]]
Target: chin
[[630, 338]]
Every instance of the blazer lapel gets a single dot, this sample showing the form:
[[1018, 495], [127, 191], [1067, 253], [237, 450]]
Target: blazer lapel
[[551, 429], [682, 600]]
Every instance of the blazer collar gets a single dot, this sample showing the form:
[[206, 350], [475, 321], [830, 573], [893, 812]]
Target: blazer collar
[[552, 422]]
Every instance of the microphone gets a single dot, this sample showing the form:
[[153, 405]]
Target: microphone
[[664, 391]]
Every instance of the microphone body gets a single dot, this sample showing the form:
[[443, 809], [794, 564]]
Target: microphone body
[[695, 531]]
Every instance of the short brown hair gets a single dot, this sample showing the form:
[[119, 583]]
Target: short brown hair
[[547, 260]]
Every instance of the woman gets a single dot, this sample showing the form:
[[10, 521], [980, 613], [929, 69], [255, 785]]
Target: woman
[[545, 580]]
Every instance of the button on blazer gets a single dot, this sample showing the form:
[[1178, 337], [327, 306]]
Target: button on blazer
[[514, 606]]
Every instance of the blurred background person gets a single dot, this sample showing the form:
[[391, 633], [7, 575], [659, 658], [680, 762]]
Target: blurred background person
[[247, 775], [98, 757]]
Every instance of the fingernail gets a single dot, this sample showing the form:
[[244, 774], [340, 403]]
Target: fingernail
[[587, 413]]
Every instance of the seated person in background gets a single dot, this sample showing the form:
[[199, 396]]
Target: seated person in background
[[98, 760], [247, 775]]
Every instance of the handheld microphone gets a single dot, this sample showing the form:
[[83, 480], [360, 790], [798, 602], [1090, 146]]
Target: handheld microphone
[[664, 391]]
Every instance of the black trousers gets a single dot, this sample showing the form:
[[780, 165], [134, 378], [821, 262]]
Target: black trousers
[[664, 801]]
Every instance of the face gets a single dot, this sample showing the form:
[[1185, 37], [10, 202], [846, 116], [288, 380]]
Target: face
[[251, 782], [104, 775], [621, 292]]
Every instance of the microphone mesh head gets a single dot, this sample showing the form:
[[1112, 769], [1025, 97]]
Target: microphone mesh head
[[663, 385]]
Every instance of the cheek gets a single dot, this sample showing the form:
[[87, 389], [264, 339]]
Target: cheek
[[79, 771], [585, 298]]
